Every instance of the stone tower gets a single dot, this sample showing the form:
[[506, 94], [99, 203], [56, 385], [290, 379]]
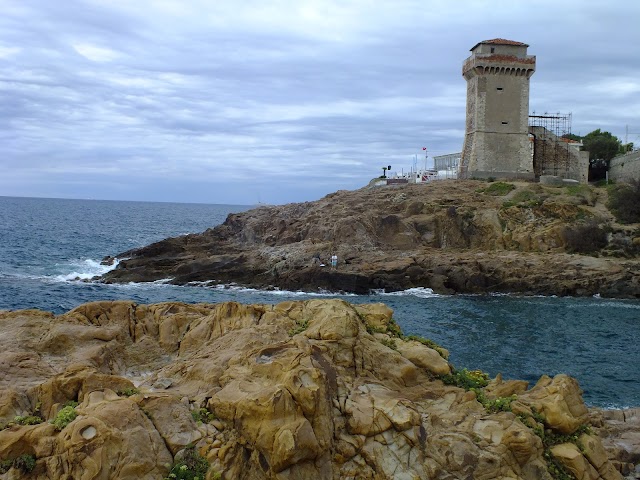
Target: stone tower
[[496, 142]]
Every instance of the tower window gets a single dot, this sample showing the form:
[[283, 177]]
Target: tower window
[[505, 123], [499, 89], [493, 50]]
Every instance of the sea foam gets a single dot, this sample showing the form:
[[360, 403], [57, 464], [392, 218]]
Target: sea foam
[[84, 270]]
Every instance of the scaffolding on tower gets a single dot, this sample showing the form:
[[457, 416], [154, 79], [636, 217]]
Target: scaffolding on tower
[[551, 143]]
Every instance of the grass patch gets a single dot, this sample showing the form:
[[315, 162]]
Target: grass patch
[[524, 199], [299, 328], [127, 392], [497, 189], [389, 342], [578, 190]]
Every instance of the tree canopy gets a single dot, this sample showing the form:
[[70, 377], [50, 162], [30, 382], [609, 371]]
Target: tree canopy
[[602, 146]]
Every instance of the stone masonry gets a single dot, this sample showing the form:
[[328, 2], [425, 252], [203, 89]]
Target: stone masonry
[[497, 138], [625, 167]]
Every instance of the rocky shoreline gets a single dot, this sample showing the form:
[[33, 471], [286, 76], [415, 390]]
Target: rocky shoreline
[[450, 236], [312, 389]]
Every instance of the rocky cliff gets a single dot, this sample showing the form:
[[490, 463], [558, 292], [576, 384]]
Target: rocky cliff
[[451, 236], [316, 389]]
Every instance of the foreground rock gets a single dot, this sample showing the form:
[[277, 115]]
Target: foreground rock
[[448, 236], [316, 389], [620, 430]]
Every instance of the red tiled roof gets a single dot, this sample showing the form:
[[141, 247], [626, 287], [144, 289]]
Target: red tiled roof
[[501, 41]]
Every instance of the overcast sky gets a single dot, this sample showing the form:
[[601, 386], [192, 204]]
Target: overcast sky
[[243, 101]]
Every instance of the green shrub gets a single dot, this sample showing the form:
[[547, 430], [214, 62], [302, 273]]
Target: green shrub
[[497, 189], [624, 201], [64, 417], [394, 329], [202, 415], [191, 467], [584, 238], [25, 463], [127, 392], [28, 420], [372, 329], [466, 379], [500, 404], [389, 343], [299, 328]]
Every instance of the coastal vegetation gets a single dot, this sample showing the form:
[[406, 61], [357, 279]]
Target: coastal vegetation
[[624, 201], [300, 327], [27, 420], [202, 415], [191, 466], [587, 237], [498, 189], [25, 463], [65, 416], [127, 392]]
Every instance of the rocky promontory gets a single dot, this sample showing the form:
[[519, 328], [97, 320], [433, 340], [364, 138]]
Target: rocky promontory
[[450, 236], [315, 389]]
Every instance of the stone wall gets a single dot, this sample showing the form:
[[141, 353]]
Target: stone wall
[[625, 167]]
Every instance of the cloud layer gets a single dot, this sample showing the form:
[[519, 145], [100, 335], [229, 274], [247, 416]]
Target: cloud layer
[[278, 101]]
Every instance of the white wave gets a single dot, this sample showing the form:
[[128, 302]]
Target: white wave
[[84, 270], [421, 292], [616, 303], [271, 291], [614, 406]]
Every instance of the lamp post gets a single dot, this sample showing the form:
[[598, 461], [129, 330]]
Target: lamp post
[[384, 171]]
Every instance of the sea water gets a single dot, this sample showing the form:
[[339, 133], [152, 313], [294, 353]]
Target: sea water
[[48, 246]]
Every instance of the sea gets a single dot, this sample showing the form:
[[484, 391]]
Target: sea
[[49, 248]]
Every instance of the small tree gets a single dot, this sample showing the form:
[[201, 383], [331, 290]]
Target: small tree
[[602, 147]]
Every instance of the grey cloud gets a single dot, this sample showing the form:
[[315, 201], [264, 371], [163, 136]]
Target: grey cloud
[[193, 101]]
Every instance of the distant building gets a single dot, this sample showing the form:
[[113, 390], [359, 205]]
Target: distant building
[[496, 142], [447, 165]]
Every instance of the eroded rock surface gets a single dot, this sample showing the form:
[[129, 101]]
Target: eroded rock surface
[[317, 389], [448, 236]]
